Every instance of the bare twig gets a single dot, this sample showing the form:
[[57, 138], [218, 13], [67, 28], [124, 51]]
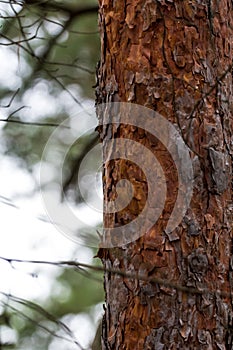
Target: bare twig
[[17, 121], [42, 311], [131, 275]]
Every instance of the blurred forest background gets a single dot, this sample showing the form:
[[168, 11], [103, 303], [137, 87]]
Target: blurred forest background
[[48, 55]]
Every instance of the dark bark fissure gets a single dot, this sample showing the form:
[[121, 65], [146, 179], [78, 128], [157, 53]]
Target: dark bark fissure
[[174, 57]]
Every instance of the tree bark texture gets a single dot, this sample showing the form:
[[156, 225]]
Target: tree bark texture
[[174, 57]]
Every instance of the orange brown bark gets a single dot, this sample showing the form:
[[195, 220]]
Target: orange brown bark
[[174, 57]]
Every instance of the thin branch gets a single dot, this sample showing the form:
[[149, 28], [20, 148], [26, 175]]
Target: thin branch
[[21, 29], [49, 316], [42, 59], [84, 33], [63, 87], [11, 100], [71, 65], [33, 23], [24, 40], [52, 21], [18, 43], [17, 110], [136, 276], [10, 17], [17, 121], [8, 201]]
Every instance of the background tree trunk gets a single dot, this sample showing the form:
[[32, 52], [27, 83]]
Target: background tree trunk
[[174, 57]]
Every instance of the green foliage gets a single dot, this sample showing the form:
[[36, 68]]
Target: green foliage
[[81, 48], [26, 143], [76, 293]]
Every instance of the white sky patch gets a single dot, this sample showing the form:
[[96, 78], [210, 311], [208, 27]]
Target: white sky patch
[[41, 103], [10, 185], [25, 237], [9, 65], [11, 69]]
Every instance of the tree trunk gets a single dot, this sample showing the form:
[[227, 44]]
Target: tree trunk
[[175, 58]]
